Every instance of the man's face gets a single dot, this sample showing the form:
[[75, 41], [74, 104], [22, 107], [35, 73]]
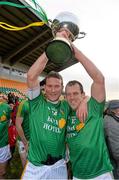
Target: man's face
[[11, 106], [53, 88], [2, 98], [74, 96], [116, 111]]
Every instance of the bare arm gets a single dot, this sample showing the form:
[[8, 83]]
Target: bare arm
[[98, 85], [20, 130], [35, 70]]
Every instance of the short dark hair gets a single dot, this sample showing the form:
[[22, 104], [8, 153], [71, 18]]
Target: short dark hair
[[54, 74], [72, 83]]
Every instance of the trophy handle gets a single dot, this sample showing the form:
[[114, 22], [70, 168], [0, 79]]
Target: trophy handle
[[81, 35]]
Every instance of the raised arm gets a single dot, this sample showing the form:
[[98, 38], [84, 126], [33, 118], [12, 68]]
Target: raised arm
[[35, 71], [98, 85]]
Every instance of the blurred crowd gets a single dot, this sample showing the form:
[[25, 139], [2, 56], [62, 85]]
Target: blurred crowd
[[111, 128]]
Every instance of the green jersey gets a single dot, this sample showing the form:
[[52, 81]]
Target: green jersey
[[47, 129], [4, 123], [88, 151], [23, 111]]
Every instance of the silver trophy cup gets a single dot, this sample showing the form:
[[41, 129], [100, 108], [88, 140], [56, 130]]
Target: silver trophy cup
[[59, 50]]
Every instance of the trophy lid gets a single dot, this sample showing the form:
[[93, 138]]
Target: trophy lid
[[66, 20]]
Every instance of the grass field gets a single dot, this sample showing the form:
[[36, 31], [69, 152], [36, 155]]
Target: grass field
[[14, 168]]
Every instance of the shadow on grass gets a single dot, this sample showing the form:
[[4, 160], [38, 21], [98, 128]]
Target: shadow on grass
[[14, 169]]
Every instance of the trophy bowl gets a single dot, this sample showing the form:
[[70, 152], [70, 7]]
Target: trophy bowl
[[66, 20]]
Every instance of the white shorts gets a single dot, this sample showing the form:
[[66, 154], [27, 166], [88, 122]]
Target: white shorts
[[55, 171], [105, 176], [5, 154], [21, 147]]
